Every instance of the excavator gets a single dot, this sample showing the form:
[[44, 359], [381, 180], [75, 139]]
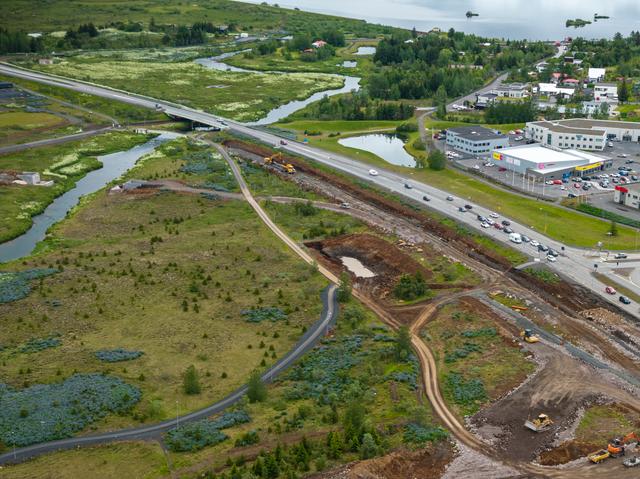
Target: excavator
[[539, 424], [277, 161], [616, 447], [528, 336]]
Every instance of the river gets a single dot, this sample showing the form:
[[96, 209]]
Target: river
[[114, 166], [515, 19], [283, 111]]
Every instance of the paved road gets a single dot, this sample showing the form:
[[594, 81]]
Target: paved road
[[52, 141], [574, 263], [308, 341], [471, 97]]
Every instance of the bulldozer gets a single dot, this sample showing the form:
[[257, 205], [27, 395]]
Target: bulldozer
[[539, 424], [528, 336], [616, 447], [277, 161]]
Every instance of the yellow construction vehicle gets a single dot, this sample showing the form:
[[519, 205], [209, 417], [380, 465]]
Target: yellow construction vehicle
[[277, 161], [598, 456], [539, 424], [528, 336]]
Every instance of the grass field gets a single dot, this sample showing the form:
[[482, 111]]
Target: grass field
[[468, 343], [65, 164], [601, 423], [241, 96], [22, 126], [553, 221]]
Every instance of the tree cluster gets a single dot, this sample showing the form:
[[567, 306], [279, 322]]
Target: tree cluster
[[356, 106], [510, 112], [18, 42]]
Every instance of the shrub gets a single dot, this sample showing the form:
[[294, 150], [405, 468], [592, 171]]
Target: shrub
[[191, 383], [461, 353], [40, 344], [15, 286], [416, 434], [257, 315], [410, 287], [56, 411], [247, 439], [465, 392], [117, 355], [305, 209], [200, 434], [257, 391], [476, 333]]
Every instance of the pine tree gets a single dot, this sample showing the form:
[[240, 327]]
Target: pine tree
[[191, 383], [344, 289], [257, 391]]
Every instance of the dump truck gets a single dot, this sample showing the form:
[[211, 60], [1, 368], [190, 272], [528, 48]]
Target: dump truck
[[539, 424], [616, 447], [598, 456], [276, 160], [528, 336]]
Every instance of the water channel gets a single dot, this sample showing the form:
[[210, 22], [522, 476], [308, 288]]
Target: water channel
[[114, 166]]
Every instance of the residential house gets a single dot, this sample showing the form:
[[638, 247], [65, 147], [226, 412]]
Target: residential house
[[319, 44], [512, 90], [596, 74], [483, 100], [605, 92]]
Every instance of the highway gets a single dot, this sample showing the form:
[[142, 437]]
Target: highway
[[573, 263]]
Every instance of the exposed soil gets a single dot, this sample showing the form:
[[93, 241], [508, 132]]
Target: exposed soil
[[430, 462], [567, 452]]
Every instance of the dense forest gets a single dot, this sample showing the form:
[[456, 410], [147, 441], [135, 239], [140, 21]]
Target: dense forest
[[18, 42]]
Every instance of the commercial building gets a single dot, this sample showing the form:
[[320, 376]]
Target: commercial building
[[545, 164], [483, 100], [476, 140], [582, 133], [628, 195]]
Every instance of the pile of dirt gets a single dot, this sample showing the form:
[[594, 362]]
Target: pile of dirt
[[381, 257], [567, 452], [602, 316], [430, 462]]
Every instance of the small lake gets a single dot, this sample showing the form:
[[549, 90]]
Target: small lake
[[114, 166], [283, 111], [356, 267], [348, 64], [388, 147], [366, 51]]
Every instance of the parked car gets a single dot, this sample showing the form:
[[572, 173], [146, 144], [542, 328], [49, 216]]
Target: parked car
[[557, 182], [426, 198], [610, 144], [634, 177], [373, 172], [577, 185], [449, 198], [623, 155], [624, 300], [610, 290], [551, 258], [518, 138], [620, 256]]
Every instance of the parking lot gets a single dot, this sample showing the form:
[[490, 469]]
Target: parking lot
[[623, 154]]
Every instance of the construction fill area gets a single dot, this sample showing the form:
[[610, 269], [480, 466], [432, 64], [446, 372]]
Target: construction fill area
[[525, 373]]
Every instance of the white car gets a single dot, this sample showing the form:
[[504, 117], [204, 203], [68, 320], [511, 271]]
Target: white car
[[494, 215], [548, 182], [563, 187], [485, 225], [512, 132], [518, 138], [476, 167], [373, 172], [534, 243], [551, 258]]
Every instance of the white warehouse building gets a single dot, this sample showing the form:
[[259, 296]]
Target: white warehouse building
[[582, 133], [545, 164], [475, 140]]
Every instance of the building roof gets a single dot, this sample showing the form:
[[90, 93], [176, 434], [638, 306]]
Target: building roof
[[593, 124], [475, 133], [550, 160], [597, 72], [607, 84], [558, 127]]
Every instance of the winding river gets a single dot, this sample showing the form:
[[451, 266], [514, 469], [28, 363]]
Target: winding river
[[114, 166], [283, 111]]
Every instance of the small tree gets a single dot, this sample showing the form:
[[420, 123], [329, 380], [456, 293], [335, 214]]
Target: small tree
[[191, 383], [344, 288], [403, 343], [437, 160], [257, 391], [613, 229], [369, 448], [623, 91]]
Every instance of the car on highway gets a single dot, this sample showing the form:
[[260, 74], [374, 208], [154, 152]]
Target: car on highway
[[485, 225], [494, 215], [408, 186], [283, 142], [468, 207], [373, 172], [551, 258], [620, 256], [449, 198], [553, 252], [426, 198], [506, 223], [534, 243], [572, 195], [508, 230], [624, 300], [543, 248], [610, 290], [498, 226], [557, 182], [461, 209], [481, 218], [518, 138], [525, 239]]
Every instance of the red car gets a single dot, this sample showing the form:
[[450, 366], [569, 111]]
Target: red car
[[610, 290], [557, 182], [498, 226], [577, 185], [502, 169]]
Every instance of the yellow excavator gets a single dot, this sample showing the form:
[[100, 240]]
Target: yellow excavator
[[528, 336], [539, 424], [277, 161]]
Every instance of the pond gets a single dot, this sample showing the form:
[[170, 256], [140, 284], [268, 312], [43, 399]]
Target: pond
[[366, 51], [348, 64], [282, 111], [114, 166], [388, 147], [356, 267]]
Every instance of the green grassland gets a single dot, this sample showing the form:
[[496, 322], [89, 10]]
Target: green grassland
[[471, 344], [59, 15], [22, 126], [241, 96], [600, 423], [122, 112], [553, 221], [65, 164]]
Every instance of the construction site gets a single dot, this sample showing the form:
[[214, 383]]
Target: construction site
[[560, 366]]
